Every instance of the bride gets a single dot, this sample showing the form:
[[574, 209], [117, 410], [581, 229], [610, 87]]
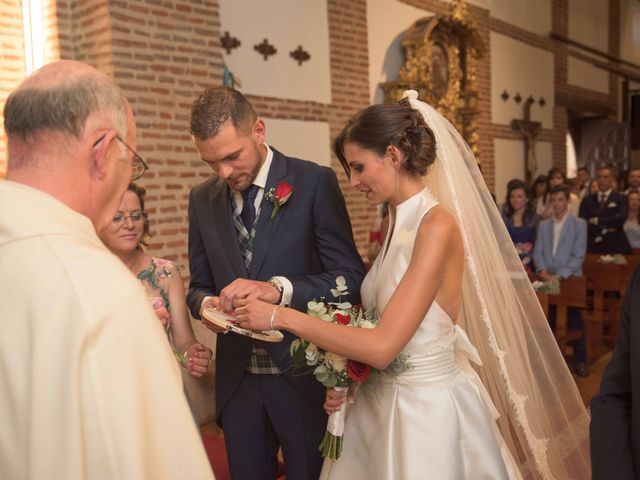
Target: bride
[[451, 292]]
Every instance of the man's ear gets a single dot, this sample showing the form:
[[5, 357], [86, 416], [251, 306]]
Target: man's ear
[[100, 153], [259, 131]]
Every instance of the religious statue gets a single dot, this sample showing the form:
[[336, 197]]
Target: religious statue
[[529, 131]]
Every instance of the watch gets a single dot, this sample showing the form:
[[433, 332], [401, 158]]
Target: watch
[[278, 286]]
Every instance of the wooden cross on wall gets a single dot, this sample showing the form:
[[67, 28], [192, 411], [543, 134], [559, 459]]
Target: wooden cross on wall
[[530, 131]]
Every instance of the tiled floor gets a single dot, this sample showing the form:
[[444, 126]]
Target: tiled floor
[[590, 385]]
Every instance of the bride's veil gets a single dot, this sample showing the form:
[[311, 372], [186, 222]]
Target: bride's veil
[[542, 416]]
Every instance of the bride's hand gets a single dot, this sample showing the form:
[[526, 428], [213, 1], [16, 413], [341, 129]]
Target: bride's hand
[[254, 314], [334, 400]]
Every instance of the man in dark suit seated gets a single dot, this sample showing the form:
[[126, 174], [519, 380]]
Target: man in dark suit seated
[[243, 245], [605, 211], [559, 251], [633, 181], [615, 411]]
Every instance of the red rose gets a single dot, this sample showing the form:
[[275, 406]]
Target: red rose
[[278, 196], [343, 319], [358, 372], [283, 192]]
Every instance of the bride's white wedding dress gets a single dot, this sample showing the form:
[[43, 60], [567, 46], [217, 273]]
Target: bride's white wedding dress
[[435, 420]]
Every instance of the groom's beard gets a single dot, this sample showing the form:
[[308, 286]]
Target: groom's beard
[[244, 179]]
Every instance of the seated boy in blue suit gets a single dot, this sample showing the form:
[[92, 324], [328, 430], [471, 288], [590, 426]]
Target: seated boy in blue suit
[[559, 253]]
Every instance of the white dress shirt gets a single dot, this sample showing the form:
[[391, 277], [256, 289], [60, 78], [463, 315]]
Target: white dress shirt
[[261, 181], [557, 229]]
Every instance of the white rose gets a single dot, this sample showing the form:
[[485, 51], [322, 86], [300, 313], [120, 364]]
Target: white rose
[[336, 362], [367, 324], [311, 354]]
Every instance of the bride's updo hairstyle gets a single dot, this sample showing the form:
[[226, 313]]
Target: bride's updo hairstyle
[[378, 126]]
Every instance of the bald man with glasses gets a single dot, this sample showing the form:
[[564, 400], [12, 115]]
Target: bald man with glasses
[[90, 388]]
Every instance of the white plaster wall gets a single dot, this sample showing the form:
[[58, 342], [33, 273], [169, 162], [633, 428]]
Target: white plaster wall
[[386, 21], [509, 162], [306, 140], [630, 31], [583, 74], [520, 68], [589, 23], [286, 24], [532, 16]]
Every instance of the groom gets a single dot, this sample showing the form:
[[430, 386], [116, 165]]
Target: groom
[[241, 247]]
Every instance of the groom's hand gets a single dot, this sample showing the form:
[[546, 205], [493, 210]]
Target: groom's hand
[[214, 303], [244, 289]]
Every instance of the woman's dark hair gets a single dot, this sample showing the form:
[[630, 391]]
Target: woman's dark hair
[[529, 211], [552, 173], [140, 193], [378, 126], [540, 179]]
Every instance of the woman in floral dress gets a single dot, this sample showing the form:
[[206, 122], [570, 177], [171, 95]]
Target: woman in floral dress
[[125, 237]]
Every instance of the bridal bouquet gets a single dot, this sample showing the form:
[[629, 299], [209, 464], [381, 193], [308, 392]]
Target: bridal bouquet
[[333, 370]]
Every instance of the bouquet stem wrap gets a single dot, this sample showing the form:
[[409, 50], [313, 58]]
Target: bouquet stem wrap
[[331, 446]]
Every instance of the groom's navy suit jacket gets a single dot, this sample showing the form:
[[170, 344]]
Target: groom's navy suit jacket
[[309, 241]]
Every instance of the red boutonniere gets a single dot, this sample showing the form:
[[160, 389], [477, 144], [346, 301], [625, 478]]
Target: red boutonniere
[[278, 196]]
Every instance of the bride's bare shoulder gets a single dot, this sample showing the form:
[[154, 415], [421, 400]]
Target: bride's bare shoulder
[[438, 222]]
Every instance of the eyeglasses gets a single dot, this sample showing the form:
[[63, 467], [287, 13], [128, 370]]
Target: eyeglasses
[[138, 166], [135, 217]]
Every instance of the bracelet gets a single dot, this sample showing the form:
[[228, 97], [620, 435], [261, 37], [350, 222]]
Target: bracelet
[[273, 317], [184, 356]]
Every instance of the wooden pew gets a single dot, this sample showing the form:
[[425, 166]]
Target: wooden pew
[[605, 310], [573, 293]]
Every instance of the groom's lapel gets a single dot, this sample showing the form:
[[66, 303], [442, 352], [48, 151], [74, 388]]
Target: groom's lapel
[[267, 226], [222, 221]]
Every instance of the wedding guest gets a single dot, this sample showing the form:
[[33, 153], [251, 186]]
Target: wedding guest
[[606, 211], [443, 289], [522, 221], [241, 246], [593, 187], [538, 191], [584, 180], [559, 252], [555, 178], [87, 393], [615, 411], [632, 225], [633, 181], [505, 205], [125, 237]]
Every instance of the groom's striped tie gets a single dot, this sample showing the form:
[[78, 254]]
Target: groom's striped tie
[[245, 224]]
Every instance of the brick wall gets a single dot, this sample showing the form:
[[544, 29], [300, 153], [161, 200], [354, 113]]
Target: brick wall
[[350, 92], [12, 60], [163, 54]]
